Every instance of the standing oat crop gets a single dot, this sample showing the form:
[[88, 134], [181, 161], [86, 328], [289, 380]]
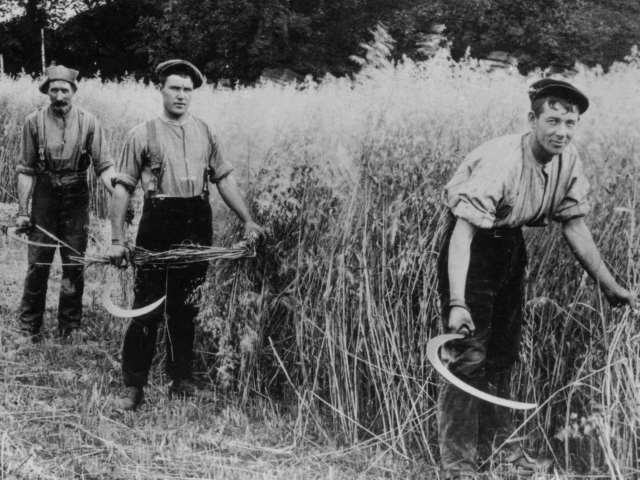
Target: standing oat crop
[[175, 156], [504, 184], [59, 143]]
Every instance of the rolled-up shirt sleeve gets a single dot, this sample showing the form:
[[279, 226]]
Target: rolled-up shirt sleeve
[[575, 202], [29, 154], [100, 155], [217, 163], [129, 165], [476, 190]]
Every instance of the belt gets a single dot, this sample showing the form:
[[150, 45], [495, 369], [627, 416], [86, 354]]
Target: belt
[[171, 199], [63, 179], [500, 232]]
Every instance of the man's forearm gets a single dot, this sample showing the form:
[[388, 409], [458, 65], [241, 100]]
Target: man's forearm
[[458, 259], [119, 203], [231, 195], [585, 250], [25, 189], [106, 176]]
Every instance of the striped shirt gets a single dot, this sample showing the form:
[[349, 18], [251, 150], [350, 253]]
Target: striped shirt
[[63, 147], [501, 185]]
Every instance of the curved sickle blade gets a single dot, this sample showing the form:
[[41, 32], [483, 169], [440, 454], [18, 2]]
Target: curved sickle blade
[[117, 311], [433, 354], [14, 234]]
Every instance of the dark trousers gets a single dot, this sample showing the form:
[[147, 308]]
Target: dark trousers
[[62, 210], [494, 293], [165, 223]]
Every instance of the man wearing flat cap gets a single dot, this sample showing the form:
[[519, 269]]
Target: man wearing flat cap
[[59, 144], [505, 184], [174, 156]]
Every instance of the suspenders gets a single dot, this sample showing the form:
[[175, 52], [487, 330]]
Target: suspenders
[[41, 166], [156, 165], [81, 152], [155, 159]]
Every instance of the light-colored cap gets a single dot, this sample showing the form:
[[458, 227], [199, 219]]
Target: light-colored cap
[[60, 72]]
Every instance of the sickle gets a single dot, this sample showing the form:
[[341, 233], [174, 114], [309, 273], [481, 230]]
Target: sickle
[[12, 234], [117, 311], [433, 354]]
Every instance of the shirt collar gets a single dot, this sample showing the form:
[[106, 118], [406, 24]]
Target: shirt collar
[[178, 123]]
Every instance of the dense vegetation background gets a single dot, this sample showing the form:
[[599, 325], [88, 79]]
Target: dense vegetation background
[[329, 322], [327, 326], [236, 40]]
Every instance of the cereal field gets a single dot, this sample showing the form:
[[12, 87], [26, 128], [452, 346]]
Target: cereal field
[[312, 356]]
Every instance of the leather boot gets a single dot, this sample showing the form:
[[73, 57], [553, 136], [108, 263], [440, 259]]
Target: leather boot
[[458, 474], [182, 388], [131, 399], [525, 462], [72, 336], [26, 338]]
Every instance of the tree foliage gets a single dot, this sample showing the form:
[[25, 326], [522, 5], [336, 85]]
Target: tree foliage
[[238, 39]]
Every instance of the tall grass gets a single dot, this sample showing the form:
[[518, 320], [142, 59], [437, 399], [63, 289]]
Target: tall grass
[[335, 312]]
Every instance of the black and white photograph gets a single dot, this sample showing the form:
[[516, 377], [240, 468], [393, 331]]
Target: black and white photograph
[[319, 240]]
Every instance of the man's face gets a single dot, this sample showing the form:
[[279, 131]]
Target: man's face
[[553, 129], [176, 95], [61, 95]]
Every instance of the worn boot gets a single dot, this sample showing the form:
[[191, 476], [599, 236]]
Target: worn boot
[[72, 336], [526, 463], [182, 388], [131, 399], [458, 474], [27, 338]]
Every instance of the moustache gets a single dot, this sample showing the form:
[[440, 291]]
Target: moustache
[[60, 103]]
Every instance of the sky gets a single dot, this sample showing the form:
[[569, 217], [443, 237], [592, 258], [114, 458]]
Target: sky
[[10, 9]]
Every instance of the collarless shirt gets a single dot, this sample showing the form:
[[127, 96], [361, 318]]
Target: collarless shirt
[[186, 149], [501, 185], [62, 145]]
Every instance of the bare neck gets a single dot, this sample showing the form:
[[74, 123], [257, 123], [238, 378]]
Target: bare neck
[[540, 154]]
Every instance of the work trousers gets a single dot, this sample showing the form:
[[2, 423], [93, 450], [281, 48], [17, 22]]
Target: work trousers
[[165, 224], [494, 293], [63, 210]]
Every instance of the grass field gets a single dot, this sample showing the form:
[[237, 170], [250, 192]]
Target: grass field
[[319, 367]]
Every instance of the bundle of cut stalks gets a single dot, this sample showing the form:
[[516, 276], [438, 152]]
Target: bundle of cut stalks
[[180, 255]]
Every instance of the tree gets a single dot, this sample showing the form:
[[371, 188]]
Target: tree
[[104, 39], [238, 39]]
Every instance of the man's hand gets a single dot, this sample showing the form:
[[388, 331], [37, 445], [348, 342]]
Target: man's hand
[[253, 231], [23, 222], [584, 248], [621, 296], [460, 321], [119, 256]]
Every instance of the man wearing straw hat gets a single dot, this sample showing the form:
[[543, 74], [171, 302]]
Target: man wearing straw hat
[[504, 184], [59, 144], [175, 156]]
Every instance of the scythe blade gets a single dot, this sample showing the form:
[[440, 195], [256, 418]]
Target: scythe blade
[[433, 354], [117, 311]]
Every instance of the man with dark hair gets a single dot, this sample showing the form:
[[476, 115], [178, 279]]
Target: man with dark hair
[[59, 143], [174, 156], [504, 184]]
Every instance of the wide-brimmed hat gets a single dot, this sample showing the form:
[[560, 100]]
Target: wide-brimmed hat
[[561, 89], [177, 65], [60, 72]]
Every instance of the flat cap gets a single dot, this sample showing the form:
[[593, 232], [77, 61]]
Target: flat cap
[[559, 88], [177, 65], [59, 72]]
